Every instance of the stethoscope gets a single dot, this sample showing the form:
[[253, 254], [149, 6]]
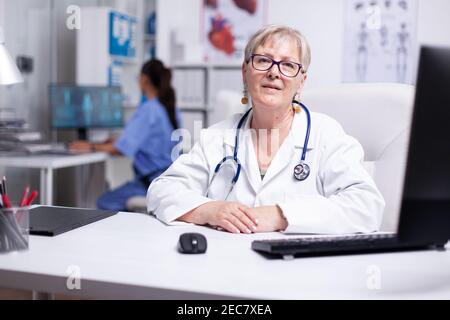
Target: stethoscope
[[301, 170]]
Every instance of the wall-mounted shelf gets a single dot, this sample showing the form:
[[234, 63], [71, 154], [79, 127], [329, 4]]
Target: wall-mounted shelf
[[197, 84]]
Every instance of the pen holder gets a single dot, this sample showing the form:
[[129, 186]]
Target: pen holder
[[14, 229]]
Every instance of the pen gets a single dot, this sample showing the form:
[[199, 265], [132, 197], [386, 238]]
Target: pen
[[23, 201], [6, 201], [4, 197], [1, 193], [4, 185], [31, 198]]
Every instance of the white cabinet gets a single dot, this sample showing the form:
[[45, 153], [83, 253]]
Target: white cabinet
[[105, 42]]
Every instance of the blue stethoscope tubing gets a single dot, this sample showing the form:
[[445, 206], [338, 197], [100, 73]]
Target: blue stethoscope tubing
[[301, 171]]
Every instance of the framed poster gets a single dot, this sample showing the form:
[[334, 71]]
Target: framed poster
[[122, 35], [380, 42], [228, 25]]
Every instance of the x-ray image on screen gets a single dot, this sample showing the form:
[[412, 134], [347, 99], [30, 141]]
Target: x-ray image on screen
[[79, 107]]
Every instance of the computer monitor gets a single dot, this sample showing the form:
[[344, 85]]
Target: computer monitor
[[85, 107], [425, 210]]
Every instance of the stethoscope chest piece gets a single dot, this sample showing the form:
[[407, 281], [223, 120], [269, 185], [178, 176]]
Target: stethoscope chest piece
[[301, 171]]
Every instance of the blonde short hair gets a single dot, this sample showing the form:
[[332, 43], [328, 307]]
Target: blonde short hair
[[271, 31]]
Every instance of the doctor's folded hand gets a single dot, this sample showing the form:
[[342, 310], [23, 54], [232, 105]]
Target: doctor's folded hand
[[275, 167], [237, 218]]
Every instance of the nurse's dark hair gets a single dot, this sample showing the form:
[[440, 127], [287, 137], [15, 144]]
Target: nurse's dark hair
[[161, 77]]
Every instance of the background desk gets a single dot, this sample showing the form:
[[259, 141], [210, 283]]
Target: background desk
[[47, 163], [133, 255]]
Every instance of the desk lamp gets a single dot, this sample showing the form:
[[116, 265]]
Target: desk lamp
[[9, 73]]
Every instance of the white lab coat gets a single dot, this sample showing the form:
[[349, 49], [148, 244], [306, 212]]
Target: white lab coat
[[339, 196]]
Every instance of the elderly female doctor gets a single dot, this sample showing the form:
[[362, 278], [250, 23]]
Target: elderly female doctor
[[276, 167]]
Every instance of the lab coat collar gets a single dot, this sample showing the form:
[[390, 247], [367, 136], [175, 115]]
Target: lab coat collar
[[246, 151], [230, 134], [298, 131], [290, 148], [247, 155]]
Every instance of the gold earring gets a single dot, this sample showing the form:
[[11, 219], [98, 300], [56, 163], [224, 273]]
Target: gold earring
[[296, 105], [244, 99]]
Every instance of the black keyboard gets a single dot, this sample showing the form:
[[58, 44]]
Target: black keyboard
[[330, 245]]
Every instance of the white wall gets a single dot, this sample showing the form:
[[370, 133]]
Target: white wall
[[26, 29], [26, 26], [173, 14], [322, 21], [2, 11], [2, 19], [434, 22]]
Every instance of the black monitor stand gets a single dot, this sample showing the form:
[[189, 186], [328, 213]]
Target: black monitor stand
[[82, 133]]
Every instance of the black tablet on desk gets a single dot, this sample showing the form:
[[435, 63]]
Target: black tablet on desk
[[51, 221]]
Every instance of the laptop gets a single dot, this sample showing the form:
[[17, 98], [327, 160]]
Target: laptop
[[51, 221], [424, 221]]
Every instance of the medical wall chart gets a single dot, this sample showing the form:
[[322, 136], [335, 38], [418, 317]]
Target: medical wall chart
[[228, 25], [380, 42], [122, 35]]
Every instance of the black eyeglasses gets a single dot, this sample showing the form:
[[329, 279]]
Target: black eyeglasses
[[287, 68]]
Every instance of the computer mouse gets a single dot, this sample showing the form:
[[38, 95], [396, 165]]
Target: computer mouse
[[192, 243]]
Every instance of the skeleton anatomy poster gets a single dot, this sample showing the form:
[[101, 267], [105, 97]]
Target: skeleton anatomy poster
[[380, 41], [228, 25]]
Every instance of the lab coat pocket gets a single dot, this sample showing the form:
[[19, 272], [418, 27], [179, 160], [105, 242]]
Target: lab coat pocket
[[296, 189]]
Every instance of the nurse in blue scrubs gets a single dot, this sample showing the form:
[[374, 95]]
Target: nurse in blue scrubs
[[146, 138]]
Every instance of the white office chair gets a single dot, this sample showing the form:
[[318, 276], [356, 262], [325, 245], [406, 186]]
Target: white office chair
[[377, 115]]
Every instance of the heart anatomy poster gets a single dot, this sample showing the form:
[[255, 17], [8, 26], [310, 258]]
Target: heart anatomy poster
[[380, 41], [228, 25]]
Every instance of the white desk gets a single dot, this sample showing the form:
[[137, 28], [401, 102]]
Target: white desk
[[47, 163], [134, 256]]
